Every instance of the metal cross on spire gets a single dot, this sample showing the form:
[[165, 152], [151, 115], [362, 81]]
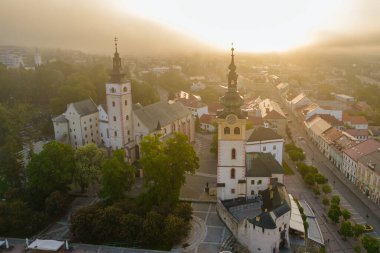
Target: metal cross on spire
[[115, 43], [232, 49]]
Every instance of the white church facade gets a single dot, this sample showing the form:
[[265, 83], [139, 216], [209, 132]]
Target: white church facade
[[252, 198], [120, 124]]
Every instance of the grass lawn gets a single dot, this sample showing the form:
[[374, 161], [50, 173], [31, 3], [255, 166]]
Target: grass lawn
[[288, 170]]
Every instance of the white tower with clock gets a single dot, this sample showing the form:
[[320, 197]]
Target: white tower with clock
[[231, 141]]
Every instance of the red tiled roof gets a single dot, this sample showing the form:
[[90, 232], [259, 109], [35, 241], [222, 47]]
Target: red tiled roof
[[256, 121], [355, 120], [274, 115], [193, 103], [214, 107], [332, 134], [207, 119], [357, 132], [362, 149]]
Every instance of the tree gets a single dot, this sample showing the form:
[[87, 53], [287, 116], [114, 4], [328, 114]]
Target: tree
[[165, 166], [117, 177], [335, 200], [371, 244], [309, 179], [81, 223], [334, 213], [346, 229], [131, 228], [326, 201], [184, 211], [326, 188], [56, 203], [50, 170], [175, 229], [346, 214], [88, 161], [320, 179], [152, 228], [358, 230]]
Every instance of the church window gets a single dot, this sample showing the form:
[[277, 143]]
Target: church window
[[85, 128], [129, 139], [113, 90], [274, 147], [90, 126], [101, 134], [90, 120], [259, 181], [114, 118], [264, 148], [233, 153], [85, 136], [128, 132], [252, 192], [125, 89], [252, 181], [113, 103], [125, 102], [92, 134], [75, 137], [71, 130], [76, 143], [127, 117], [236, 130], [232, 173], [226, 130], [233, 191], [138, 124], [115, 133]]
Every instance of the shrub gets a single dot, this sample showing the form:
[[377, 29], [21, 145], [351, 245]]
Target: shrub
[[320, 179], [346, 214], [335, 200], [326, 188], [326, 201]]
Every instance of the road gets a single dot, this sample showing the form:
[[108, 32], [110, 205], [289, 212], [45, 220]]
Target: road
[[333, 175]]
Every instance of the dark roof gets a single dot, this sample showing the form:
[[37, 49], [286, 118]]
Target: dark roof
[[264, 220], [85, 107], [162, 112], [263, 134], [60, 118], [262, 165]]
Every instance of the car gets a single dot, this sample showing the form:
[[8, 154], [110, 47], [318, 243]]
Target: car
[[367, 228]]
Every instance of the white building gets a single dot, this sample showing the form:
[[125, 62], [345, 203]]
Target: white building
[[119, 124], [314, 109], [299, 101], [252, 200], [352, 155]]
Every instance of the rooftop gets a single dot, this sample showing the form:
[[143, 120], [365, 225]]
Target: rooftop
[[357, 132], [262, 165], [263, 134], [362, 149], [354, 120], [85, 107], [372, 160], [207, 119]]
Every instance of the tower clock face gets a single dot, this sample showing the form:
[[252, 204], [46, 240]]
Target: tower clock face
[[231, 119]]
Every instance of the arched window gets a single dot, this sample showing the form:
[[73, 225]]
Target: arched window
[[232, 173], [226, 130], [125, 102], [127, 117], [233, 153], [236, 130], [114, 118], [125, 89], [113, 90], [113, 103]]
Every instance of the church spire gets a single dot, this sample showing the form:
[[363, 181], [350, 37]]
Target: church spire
[[232, 100], [116, 75]]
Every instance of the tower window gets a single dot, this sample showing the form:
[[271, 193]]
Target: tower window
[[125, 89], [226, 130], [233, 153], [115, 133], [233, 191], [113, 103], [232, 173], [125, 102], [127, 117], [114, 118], [112, 90], [236, 130], [274, 147], [264, 148]]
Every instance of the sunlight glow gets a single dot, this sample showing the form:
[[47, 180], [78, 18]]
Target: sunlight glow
[[255, 26]]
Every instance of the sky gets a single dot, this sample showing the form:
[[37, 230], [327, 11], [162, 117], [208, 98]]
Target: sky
[[151, 27]]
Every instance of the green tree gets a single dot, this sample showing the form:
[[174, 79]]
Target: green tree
[[88, 162], [346, 229], [56, 203], [117, 177], [358, 230], [81, 223], [175, 229], [346, 214], [131, 228], [371, 244], [152, 228], [165, 166], [107, 224], [50, 170], [310, 179], [334, 213], [326, 188], [335, 200], [326, 201], [320, 179]]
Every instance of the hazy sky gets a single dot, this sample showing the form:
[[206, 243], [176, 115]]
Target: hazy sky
[[164, 26]]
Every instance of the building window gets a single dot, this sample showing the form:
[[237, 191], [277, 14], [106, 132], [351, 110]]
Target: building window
[[75, 137], [232, 173], [85, 128], [236, 130], [226, 130], [90, 120], [128, 132], [101, 134], [233, 153], [90, 126], [115, 133], [252, 192], [125, 89], [71, 130], [113, 103], [252, 181], [113, 90], [264, 148], [127, 117], [233, 191], [125, 102], [114, 118], [274, 147], [138, 124], [259, 181]]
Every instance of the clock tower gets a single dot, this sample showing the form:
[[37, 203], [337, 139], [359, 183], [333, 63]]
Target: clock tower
[[231, 141]]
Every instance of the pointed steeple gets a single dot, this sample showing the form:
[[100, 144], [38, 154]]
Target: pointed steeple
[[232, 100], [116, 74]]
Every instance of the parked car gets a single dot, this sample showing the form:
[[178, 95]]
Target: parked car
[[367, 228]]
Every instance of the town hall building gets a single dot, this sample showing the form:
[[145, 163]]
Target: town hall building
[[120, 124], [252, 199]]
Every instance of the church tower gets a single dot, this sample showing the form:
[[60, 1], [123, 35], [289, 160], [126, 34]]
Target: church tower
[[119, 108], [231, 140]]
